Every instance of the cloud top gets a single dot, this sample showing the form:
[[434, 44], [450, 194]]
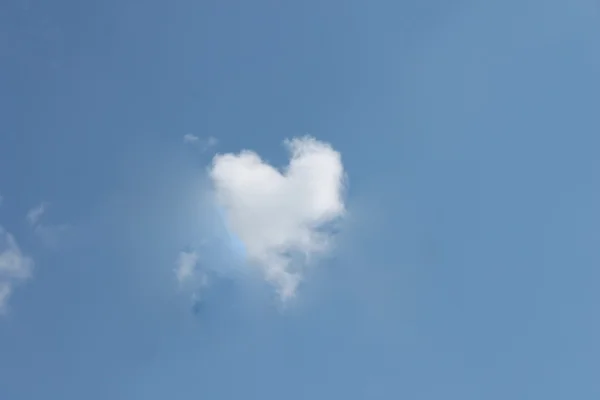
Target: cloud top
[[281, 215]]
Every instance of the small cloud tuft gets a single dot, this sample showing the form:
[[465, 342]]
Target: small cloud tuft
[[186, 265], [211, 142], [50, 235], [203, 144], [189, 138], [34, 215], [15, 267]]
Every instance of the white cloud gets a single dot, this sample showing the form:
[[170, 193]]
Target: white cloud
[[186, 264], [189, 138], [280, 215], [15, 267], [34, 215]]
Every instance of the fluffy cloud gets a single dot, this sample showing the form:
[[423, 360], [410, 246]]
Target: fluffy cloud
[[281, 216], [15, 267]]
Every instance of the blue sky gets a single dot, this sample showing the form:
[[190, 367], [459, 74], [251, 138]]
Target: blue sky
[[466, 265]]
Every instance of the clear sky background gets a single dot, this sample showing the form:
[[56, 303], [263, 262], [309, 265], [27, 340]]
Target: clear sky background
[[467, 267]]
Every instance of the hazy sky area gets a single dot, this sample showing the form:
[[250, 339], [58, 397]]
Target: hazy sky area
[[299, 199]]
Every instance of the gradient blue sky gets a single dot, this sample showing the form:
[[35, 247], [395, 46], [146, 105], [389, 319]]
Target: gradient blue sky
[[469, 267]]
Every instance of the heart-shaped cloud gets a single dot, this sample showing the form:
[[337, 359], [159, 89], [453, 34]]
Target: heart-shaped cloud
[[281, 214]]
